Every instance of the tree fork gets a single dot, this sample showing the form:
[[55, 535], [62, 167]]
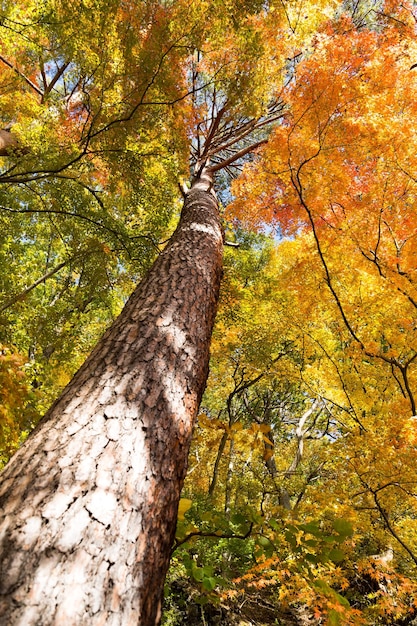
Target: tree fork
[[89, 503]]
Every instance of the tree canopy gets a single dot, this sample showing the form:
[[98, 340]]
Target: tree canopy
[[301, 489]]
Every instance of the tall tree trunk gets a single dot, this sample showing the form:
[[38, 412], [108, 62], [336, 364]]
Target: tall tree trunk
[[89, 504]]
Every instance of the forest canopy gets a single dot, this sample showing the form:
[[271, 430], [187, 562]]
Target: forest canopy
[[301, 492]]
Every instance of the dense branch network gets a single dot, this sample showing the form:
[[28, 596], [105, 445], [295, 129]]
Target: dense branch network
[[401, 364], [223, 139]]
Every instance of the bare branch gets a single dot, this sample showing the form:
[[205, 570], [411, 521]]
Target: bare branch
[[388, 524], [240, 132], [25, 78], [301, 432], [237, 156], [22, 295], [211, 133], [213, 534], [55, 79]]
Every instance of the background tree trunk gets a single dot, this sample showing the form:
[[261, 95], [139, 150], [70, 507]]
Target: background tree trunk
[[89, 503]]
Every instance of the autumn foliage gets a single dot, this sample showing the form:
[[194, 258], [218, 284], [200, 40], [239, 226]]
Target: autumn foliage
[[301, 490]]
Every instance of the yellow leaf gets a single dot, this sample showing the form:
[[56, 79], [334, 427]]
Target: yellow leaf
[[264, 428], [183, 507]]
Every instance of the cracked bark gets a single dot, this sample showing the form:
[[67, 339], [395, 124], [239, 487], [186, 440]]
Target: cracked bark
[[89, 503]]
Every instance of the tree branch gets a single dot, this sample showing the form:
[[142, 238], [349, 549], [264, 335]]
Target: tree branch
[[389, 526], [22, 295], [25, 78], [213, 534], [300, 433], [55, 79], [236, 157]]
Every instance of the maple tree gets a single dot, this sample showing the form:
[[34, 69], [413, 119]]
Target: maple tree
[[335, 177], [313, 351]]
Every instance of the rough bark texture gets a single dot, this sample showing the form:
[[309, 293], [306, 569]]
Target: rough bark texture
[[89, 504]]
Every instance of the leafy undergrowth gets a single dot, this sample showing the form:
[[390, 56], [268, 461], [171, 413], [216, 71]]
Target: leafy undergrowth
[[250, 608]]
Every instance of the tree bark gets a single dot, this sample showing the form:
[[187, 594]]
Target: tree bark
[[220, 451], [89, 503]]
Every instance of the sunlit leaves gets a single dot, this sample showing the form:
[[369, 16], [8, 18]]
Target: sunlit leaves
[[337, 178], [17, 402], [307, 428], [338, 298]]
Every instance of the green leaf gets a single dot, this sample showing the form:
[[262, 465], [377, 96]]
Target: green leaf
[[202, 599], [208, 570], [293, 529], [291, 539], [197, 573], [311, 558], [336, 555], [343, 527], [321, 585], [331, 538], [325, 588], [209, 583], [310, 527], [263, 541], [334, 618], [181, 531], [255, 517], [342, 600], [238, 518]]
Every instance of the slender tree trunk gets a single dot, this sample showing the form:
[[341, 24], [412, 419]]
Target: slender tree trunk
[[220, 451], [89, 503], [229, 477]]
